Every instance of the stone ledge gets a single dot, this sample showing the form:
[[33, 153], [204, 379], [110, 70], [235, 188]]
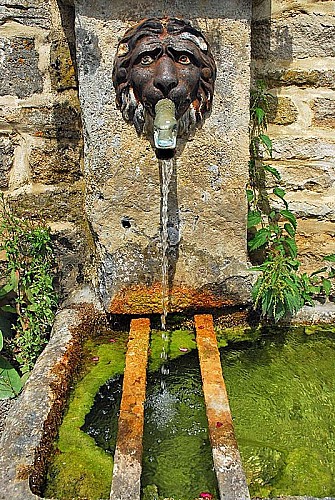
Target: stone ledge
[[32, 423]]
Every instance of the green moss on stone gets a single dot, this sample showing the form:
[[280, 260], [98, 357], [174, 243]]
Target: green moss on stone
[[79, 467]]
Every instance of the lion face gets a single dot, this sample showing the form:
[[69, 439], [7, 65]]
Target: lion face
[[160, 59]]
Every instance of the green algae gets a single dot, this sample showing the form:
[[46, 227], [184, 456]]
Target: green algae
[[282, 397], [80, 468], [284, 427], [176, 449]]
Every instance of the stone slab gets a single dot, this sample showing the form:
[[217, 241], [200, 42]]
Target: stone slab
[[227, 461], [207, 204], [127, 469]]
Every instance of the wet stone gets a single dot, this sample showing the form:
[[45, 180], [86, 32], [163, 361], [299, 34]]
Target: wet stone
[[61, 121], [299, 77], [51, 205], [19, 73]]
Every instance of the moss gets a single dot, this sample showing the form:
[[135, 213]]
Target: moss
[[79, 467], [177, 339], [237, 334]]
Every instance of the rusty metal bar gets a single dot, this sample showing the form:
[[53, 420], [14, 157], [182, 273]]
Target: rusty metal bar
[[227, 461], [128, 454]]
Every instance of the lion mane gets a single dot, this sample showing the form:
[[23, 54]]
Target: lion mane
[[132, 109]]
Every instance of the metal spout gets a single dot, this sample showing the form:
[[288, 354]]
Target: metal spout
[[165, 125]]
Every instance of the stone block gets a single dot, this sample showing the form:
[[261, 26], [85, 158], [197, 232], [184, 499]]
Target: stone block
[[315, 240], [324, 112], [53, 162], [50, 205], [294, 35], [312, 176], [295, 76], [6, 159], [62, 71], [28, 12], [282, 111], [208, 262], [300, 148], [308, 204], [59, 121], [19, 73]]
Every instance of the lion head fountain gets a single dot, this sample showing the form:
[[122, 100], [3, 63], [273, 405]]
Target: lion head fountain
[[164, 76]]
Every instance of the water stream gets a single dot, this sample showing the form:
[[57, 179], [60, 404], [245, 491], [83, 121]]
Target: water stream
[[167, 172]]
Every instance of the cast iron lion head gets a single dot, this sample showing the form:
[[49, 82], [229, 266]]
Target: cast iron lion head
[[164, 58]]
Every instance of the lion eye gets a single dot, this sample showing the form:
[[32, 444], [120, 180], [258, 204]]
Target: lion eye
[[183, 59], [146, 60]]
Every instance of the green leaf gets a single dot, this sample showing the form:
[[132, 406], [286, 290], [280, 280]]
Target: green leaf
[[10, 382], [267, 142], [290, 217], [279, 192], [9, 309], [260, 114], [1, 340], [254, 218], [5, 290], [250, 195], [290, 230], [260, 239], [272, 171], [292, 246], [327, 285], [14, 280], [329, 258]]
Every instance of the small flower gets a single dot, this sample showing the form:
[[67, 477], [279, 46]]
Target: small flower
[[95, 358], [112, 340], [206, 494], [183, 349]]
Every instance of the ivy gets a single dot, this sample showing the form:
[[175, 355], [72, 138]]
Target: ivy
[[280, 290]]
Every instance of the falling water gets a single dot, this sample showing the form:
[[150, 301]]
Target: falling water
[[167, 170]]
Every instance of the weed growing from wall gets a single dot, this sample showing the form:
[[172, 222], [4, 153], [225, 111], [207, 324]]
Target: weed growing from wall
[[28, 288], [281, 289]]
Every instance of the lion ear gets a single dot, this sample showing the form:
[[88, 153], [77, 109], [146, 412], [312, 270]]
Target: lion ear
[[122, 50]]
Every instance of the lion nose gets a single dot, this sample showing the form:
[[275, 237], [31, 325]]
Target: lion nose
[[165, 75]]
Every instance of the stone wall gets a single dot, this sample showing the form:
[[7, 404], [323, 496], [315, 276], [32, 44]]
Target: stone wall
[[40, 124], [293, 50], [41, 150]]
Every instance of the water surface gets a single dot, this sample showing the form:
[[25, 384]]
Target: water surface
[[282, 396]]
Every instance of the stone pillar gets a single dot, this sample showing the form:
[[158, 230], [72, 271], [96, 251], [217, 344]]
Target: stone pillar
[[207, 203]]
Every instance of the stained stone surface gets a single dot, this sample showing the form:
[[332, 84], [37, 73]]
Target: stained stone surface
[[6, 159], [207, 205], [19, 73]]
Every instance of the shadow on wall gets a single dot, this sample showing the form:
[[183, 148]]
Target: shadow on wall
[[268, 42]]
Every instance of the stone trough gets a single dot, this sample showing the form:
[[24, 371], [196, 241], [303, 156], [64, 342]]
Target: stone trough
[[32, 424]]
